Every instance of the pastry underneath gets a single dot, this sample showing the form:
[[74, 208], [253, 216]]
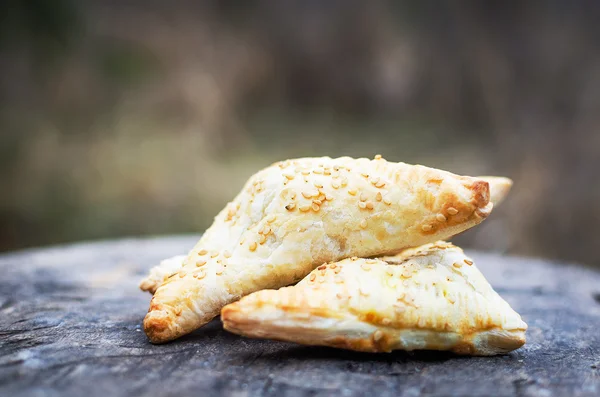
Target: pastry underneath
[[431, 297]]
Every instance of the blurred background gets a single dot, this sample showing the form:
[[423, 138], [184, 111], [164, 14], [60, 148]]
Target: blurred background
[[139, 117]]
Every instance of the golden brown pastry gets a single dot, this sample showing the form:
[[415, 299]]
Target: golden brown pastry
[[296, 214], [431, 297], [499, 188]]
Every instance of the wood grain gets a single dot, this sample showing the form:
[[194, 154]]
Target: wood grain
[[70, 325]]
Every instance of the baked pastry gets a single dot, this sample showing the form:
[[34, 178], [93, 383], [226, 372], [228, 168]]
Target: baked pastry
[[431, 297], [297, 214], [499, 189]]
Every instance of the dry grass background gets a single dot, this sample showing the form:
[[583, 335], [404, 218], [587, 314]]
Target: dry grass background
[[133, 117]]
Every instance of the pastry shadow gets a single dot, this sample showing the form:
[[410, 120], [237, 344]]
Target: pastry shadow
[[301, 353]]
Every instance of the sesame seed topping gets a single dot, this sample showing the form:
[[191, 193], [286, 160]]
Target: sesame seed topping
[[389, 272], [219, 271], [377, 335], [262, 239], [363, 224], [374, 180], [468, 262], [317, 171], [378, 196], [289, 176], [317, 184], [440, 218], [202, 252], [271, 218], [386, 321], [362, 205], [322, 280], [354, 258], [387, 200], [371, 261], [200, 274], [365, 267], [328, 197], [337, 270], [344, 181], [312, 277], [322, 267], [377, 157], [335, 184], [227, 254], [182, 274], [252, 246], [369, 205], [267, 230], [315, 207], [214, 254], [426, 228], [290, 206], [305, 172], [363, 197], [352, 192], [457, 265], [304, 208], [380, 184], [200, 263], [307, 194], [364, 174], [317, 202], [452, 211]]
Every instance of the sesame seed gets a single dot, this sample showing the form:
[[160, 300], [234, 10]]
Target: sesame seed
[[200, 274], [312, 277], [289, 176], [468, 262], [200, 263], [328, 197], [335, 184], [227, 254], [364, 174], [304, 208], [317, 171], [290, 206], [242, 240], [440, 217], [363, 224], [380, 184], [305, 172], [307, 194], [271, 218], [322, 280], [219, 271], [389, 272], [365, 267], [315, 207], [322, 267], [371, 261], [267, 230], [362, 205], [354, 258], [344, 181], [426, 228], [332, 266], [369, 205], [386, 321], [352, 192], [377, 157], [457, 265], [452, 211], [317, 202], [377, 335], [182, 274], [317, 184], [262, 239], [363, 197], [337, 270], [387, 200], [292, 196], [202, 252], [374, 180], [378, 196], [253, 246], [214, 254]]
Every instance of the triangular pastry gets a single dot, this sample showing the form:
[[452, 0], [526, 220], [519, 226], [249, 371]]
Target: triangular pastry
[[499, 189], [432, 297], [296, 214]]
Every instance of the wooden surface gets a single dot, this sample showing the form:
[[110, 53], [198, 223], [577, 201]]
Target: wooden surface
[[70, 326]]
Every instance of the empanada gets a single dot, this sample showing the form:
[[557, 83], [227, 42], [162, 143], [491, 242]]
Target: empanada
[[297, 214], [431, 297]]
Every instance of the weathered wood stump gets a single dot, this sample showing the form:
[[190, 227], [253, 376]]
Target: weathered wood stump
[[70, 325]]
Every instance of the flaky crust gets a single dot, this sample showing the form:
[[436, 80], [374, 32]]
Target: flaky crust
[[499, 188], [431, 297], [296, 214]]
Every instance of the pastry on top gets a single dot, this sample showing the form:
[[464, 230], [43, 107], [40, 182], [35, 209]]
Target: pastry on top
[[431, 297], [294, 215]]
